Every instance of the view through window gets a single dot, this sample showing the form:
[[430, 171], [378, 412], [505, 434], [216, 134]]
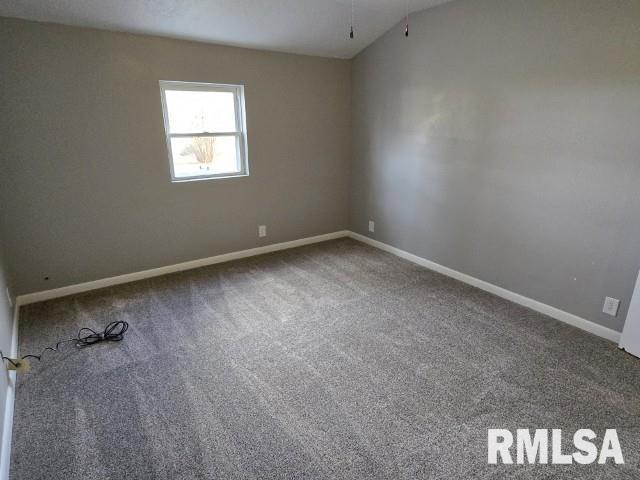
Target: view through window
[[205, 128]]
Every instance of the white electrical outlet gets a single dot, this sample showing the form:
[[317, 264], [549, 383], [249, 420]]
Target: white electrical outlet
[[611, 306], [372, 226], [262, 231], [9, 297]]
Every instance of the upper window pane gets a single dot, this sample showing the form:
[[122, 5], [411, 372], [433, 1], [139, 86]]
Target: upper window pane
[[201, 111]]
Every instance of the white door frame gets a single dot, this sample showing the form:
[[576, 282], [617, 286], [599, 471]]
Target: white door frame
[[630, 339]]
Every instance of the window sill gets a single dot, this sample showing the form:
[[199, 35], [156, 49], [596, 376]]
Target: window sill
[[204, 178]]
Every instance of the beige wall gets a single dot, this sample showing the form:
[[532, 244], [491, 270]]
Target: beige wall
[[85, 188], [500, 139]]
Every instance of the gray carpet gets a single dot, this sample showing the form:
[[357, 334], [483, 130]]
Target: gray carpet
[[329, 361]]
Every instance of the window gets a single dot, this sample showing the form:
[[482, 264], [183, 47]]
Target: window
[[205, 128]]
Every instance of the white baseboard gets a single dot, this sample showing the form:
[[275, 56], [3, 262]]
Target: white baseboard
[[178, 267], [5, 448], [566, 317], [540, 307]]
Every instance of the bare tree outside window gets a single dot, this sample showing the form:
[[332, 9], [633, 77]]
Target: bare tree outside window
[[203, 148]]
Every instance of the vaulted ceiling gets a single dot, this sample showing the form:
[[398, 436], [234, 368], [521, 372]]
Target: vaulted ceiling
[[313, 27]]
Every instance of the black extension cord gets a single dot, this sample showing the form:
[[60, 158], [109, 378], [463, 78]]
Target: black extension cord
[[114, 332]]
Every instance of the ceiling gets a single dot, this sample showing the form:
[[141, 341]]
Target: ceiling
[[313, 27]]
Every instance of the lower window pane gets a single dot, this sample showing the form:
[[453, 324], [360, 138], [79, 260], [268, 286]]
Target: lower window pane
[[203, 156]]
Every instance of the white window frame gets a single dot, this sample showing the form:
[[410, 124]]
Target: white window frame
[[240, 133]]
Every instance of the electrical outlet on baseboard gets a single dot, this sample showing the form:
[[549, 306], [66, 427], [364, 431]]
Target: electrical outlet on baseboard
[[262, 231], [372, 226], [611, 306]]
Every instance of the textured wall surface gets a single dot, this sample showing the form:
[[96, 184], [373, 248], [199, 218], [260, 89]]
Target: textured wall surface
[[85, 189], [501, 140]]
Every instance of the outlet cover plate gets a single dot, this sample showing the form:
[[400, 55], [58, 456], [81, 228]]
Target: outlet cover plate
[[611, 306]]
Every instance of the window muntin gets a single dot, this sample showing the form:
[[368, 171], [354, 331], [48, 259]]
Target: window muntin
[[205, 130]]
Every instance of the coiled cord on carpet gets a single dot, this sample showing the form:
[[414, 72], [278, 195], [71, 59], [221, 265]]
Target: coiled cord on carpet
[[114, 332]]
